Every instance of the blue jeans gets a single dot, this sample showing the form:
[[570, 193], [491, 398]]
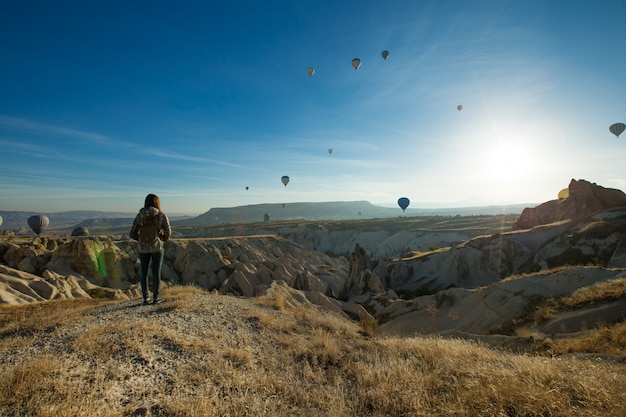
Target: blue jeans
[[156, 258]]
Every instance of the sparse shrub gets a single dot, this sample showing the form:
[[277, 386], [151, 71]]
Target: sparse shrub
[[280, 301], [609, 340], [369, 326], [276, 298], [544, 313]]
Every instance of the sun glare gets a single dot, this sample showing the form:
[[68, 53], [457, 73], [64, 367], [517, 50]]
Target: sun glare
[[507, 161]]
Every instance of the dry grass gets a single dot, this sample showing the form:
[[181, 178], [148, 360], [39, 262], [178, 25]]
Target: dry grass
[[598, 292], [23, 322], [202, 354], [606, 340], [601, 291]]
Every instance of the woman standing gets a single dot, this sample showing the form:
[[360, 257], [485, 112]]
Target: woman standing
[[151, 228]]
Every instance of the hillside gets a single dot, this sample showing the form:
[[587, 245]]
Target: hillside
[[205, 354], [337, 210], [103, 223], [63, 221]]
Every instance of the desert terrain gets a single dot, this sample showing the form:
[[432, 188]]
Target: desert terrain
[[423, 315]]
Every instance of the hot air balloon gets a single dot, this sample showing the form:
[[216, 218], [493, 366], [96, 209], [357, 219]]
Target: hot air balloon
[[285, 180], [38, 223], [247, 188], [564, 193], [459, 107], [356, 63], [403, 202], [310, 71], [384, 54], [80, 231], [617, 129], [330, 151]]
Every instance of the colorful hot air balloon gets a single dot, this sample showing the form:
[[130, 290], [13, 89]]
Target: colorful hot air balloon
[[617, 129], [459, 107], [403, 202], [38, 223], [310, 71], [330, 151], [384, 54], [285, 180], [356, 63]]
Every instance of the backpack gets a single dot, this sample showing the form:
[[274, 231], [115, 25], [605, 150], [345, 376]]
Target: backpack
[[149, 238]]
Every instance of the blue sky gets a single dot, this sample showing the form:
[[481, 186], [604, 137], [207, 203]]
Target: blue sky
[[102, 102]]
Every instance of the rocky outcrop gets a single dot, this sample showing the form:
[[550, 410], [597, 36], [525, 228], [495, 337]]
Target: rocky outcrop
[[362, 281], [584, 199], [488, 259], [238, 266], [18, 287], [485, 310], [294, 297]]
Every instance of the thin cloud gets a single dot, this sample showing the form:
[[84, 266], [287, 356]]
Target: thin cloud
[[189, 158], [50, 153], [52, 130], [20, 147]]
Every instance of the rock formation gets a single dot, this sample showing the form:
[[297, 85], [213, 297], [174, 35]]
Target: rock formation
[[584, 199], [245, 267], [17, 287], [472, 286], [485, 310], [362, 281]]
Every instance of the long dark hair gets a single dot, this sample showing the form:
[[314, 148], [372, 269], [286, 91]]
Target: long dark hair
[[152, 200]]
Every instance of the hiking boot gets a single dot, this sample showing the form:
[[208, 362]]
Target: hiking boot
[[158, 300], [147, 301]]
